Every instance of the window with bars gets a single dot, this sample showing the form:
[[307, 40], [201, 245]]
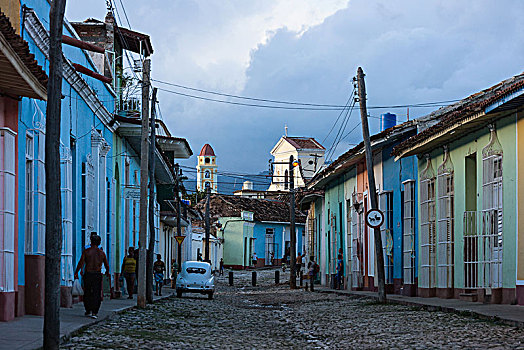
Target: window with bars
[[427, 228], [40, 193], [408, 232], [29, 193], [483, 231], [445, 245], [66, 189], [311, 233], [88, 188], [7, 209], [386, 232], [357, 242], [492, 216]]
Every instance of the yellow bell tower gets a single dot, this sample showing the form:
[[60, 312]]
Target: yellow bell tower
[[207, 169]]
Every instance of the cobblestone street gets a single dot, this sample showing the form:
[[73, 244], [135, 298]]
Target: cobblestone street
[[269, 317]]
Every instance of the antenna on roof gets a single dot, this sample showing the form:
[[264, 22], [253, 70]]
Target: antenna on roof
[[285, 128]]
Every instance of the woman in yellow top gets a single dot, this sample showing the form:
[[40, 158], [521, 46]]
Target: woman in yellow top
[[129, 271]]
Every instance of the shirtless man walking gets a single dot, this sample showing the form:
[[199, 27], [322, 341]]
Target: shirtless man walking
[[93, 258]]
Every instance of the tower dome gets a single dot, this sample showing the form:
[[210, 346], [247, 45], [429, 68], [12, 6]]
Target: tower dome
[[207, 150]]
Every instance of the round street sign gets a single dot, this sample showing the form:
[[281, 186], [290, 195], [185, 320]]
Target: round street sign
[[374, 218]]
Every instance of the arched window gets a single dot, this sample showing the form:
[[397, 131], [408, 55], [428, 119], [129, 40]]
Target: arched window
[[286, 180], [207, 174], [207, 160]]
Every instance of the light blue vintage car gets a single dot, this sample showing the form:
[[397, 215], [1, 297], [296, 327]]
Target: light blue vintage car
[[195, 277]]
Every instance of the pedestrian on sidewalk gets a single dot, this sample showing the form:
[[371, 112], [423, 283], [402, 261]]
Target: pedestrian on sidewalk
[[129, 271], [254, 259], [312, 268], [298, 263], [92, 258], [340, 272], [158, 268], [221, 273]]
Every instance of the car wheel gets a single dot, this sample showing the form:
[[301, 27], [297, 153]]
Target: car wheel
[[210, 296], [179, 294]]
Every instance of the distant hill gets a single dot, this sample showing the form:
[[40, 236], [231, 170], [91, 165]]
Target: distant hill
[[227, 184]]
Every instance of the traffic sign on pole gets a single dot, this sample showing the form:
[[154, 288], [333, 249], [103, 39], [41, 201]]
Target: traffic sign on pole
[[180, 239], [374, 218]]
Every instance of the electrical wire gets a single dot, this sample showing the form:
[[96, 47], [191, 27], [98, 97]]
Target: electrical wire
[[341, 108], [340, 132], [245, 97], [340, 114], [330, 106]]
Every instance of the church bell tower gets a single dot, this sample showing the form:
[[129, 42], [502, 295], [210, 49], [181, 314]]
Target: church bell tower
[[207, 169]]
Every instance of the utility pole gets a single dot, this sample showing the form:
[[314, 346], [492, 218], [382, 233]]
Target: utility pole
[[292, 233], [206, 250], [53, 228], [144, 155], [371, 181], [178, 173], [151, 250]]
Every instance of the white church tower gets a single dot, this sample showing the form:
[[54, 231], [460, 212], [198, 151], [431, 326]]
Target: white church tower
[[207, 169]]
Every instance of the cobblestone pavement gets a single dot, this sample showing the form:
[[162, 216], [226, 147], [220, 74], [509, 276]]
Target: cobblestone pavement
[[274, 317]]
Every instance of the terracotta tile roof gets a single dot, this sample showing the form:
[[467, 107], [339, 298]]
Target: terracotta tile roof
[[462, 110], [263, 209], [21, 47], [303, 142]]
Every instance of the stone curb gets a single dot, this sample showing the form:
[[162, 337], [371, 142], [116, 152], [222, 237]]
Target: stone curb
[[447, 309]]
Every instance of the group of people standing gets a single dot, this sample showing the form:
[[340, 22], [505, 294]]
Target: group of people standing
[[129, 272], [90, 267]]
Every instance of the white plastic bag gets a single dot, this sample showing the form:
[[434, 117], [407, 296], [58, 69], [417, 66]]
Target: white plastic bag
[[77, 288]]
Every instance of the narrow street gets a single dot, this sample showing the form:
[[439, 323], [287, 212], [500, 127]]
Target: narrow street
[[274, 317]]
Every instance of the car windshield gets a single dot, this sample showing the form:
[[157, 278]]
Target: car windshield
[[196, 270]]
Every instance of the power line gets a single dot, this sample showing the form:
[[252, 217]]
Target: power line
[[340, 132], [245, 97], [125, 14], [339, 108], [336, 121], [330, 106], [252, 104]]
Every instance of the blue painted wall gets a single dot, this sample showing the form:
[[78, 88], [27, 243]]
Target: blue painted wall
[[77, 122], [394, 173], [259, 233]]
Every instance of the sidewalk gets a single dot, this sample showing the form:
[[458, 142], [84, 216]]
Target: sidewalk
[[26, 332], [512, 315]]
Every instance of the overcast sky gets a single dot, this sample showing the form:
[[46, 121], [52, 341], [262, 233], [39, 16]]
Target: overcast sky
[[412, 51]]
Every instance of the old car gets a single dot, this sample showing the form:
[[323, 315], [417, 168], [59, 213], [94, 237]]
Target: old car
[[195, 277]]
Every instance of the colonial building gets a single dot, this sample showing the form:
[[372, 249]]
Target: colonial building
[[207, 169], [306, 150], [471, 222], [336, 215]]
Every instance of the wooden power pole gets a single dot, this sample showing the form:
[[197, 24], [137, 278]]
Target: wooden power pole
[[371, 181], [151, 248], [53, 228], [292, 233], [144, 160]]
